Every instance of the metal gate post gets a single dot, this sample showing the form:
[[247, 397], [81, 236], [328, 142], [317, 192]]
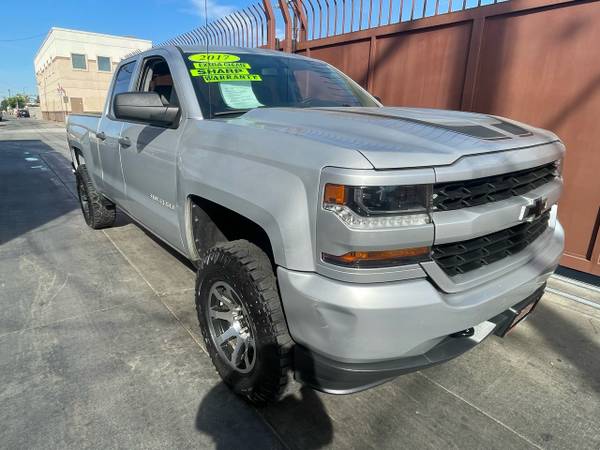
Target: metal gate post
[[300, 14], [285, 12], [270, 24]]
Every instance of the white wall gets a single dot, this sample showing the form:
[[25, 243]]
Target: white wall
[[63, 42]]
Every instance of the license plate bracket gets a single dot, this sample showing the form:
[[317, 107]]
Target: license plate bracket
[[510, 318], [522, 315]]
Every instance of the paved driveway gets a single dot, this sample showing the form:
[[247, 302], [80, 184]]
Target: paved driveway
[[99, 348]]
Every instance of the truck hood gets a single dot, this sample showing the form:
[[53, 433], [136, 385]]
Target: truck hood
[[401, 137]]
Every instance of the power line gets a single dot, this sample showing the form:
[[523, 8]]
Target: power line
[[23, 39]]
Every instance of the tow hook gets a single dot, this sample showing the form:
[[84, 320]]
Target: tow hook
[[464, 333]]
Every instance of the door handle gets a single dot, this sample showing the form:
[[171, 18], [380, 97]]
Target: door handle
[[125, 141], [100, 135]]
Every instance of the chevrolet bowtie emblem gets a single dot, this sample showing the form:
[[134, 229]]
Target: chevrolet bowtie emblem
[[534, 210]]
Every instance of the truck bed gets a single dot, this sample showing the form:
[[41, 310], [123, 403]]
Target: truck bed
[[80, 126]]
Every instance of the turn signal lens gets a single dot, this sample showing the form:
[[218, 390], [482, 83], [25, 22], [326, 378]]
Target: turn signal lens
[[384, 258], [335, 194]]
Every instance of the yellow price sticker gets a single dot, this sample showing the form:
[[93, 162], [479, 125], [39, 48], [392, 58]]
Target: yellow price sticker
[[213, 57], [212, 65], [231, 77], [216, 67], [218, 71]]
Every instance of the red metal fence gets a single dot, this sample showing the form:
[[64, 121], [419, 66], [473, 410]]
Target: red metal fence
[[532, 60], [316, 19]]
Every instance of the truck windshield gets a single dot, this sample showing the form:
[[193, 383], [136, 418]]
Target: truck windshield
[[234, 83]]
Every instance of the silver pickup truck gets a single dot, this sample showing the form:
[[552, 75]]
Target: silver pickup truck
[[336, 240]]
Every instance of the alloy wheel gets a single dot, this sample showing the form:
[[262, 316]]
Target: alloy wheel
[[230, 327]]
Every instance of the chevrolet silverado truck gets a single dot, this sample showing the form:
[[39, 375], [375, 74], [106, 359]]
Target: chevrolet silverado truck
[[337, 241]]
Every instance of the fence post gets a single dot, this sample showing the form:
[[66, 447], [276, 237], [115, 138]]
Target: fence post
[[371, 65], [470, 83], [299, 11], [270, 24], [287, 20]]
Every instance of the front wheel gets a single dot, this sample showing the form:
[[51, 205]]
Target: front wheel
[[242, 320], [98, 212]]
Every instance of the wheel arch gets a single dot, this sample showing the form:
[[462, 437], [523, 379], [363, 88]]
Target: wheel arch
[[209, 223]]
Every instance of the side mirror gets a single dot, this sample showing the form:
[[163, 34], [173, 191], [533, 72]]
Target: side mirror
[[144, 107]]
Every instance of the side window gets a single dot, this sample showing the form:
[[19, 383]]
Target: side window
[[122, 80], [156, 77]]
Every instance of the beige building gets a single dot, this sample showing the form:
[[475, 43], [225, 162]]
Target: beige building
[[74, 69]]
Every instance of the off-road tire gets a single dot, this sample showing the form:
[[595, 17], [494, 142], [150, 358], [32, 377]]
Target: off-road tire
[[248, 270], [98, 212]]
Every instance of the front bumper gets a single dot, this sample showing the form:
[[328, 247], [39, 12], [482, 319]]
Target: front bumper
[[336, 377], [377, 325]]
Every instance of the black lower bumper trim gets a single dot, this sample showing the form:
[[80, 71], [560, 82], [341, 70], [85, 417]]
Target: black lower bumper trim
[[337, 377]]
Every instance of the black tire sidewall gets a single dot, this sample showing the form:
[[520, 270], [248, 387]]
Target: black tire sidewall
[[221, 266], [101, 215], [82, 184]]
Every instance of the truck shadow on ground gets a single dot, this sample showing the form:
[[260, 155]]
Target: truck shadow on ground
[[300, 420], [219, 417], [29, 189]]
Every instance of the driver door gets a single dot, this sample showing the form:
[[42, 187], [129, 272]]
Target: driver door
[[107, 137], [149, 156]]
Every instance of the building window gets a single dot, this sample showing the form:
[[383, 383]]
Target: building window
[[103, 63], [78, 61]]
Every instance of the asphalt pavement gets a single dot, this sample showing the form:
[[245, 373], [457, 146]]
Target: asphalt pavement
[[100, 348]]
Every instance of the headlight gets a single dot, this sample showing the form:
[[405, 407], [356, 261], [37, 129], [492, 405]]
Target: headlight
[[368, 207]]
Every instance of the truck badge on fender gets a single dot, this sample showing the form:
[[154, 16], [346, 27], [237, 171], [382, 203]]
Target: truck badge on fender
[[162, 202]]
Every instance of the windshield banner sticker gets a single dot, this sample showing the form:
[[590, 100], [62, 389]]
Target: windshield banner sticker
[[213, 57], [217, 67]]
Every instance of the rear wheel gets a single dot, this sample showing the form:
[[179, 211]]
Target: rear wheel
[[242, 320], [98, 212]]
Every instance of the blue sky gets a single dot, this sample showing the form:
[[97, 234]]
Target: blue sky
[[157, 20]]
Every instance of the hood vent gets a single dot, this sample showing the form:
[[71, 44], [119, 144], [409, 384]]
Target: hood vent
[[512, 128], [487, 131], [476, 131]]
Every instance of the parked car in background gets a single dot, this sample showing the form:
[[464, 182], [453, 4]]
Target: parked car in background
[[336, 239], [23, 113]]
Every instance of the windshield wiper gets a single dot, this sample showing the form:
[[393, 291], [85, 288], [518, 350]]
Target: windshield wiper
[[231, 112]]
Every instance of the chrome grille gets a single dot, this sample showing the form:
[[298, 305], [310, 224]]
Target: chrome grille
[[461, 257], [464, 194]]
